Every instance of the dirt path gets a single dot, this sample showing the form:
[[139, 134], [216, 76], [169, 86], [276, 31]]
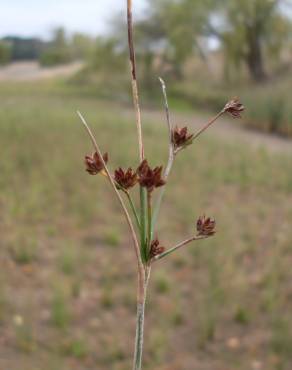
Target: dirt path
[[32, 71], [227, 129]]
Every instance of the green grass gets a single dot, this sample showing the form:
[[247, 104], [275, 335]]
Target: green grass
[[70, 270]]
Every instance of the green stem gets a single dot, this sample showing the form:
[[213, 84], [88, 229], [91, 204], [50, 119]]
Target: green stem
[[143, 222], [150, 226], [171, 157], [156, 210], [133, 208], [161, 194]]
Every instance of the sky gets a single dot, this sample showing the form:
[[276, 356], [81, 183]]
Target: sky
[[39, 17]]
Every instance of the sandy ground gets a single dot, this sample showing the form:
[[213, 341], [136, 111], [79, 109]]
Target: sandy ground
[[31, 71]]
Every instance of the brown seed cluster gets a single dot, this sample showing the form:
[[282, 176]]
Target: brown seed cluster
[[180, 137], [234, 108], [94, 163], [206, 226], [125, 179], [155, 248], [150, 178]]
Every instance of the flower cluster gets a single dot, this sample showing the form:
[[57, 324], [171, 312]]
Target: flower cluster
[[206, 226], [150, 178], [125, 179], [155, 248], [180, 137], [234, 108], [94, 163]]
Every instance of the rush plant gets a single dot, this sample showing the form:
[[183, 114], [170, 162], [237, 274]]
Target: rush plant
[[147, 179]]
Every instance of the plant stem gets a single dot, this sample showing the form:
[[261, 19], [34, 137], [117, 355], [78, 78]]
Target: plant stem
[[172, 152], [169, 125], [149, 223], [112, 183], [204, 128], [133, 208], [135, 91], [171, 156], [160, 197], [143, 223], [180, 245], [139, 336], [143, 271], [140, 324]]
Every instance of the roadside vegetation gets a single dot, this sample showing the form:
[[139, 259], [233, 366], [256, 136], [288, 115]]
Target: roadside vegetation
[[207, 51]]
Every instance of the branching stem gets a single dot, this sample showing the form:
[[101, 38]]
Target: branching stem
[[207, 125], [124, 208], [180, 245]]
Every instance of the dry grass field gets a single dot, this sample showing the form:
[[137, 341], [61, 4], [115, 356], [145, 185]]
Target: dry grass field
[[67, 277]]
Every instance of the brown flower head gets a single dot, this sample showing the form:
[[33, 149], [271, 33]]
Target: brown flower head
[[150, 178], [94, 163], [125, 179], [180, 137], [155, 248], [234, 108], [206, 226]]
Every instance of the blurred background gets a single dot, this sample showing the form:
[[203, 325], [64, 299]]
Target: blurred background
[[67, 276]]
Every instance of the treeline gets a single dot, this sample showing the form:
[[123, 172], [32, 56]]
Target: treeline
[[207, 51], [253, 37], [60, 49]]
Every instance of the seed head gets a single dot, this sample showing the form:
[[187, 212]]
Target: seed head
[[181, 138], [234, 108], [206, 226], [94, 163], [150, 178], [155, 248], [125, 179]]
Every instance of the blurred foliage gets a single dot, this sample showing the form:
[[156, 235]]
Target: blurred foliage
[[106, 69], [82, 46], [5, 52], [248, 31], [22, 48], [254, 30], [58, 51]]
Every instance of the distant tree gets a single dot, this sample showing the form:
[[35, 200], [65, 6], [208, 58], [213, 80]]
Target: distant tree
[[24, 48], [108, 56], [248, 30], [82, 45], [181, 24], [5, 52], [253, 29], [159, 35], [59, 50]]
